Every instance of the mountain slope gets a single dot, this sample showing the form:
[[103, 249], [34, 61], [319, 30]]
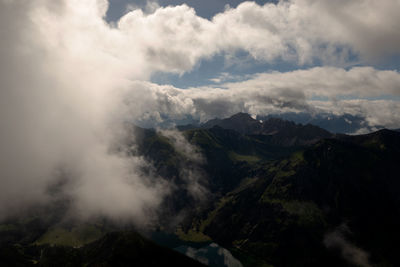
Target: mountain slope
[[232, 147], [114, 249], [229, 155], [284, 215], [280, 194]]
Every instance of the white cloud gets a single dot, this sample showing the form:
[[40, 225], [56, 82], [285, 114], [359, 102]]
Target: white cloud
[[356, 91], [190, 167], [59, 110], [175, 38], [329, 82]]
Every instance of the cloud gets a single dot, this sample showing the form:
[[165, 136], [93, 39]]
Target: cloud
[[191, 172], [328, 82], [69, 82], [59, 110], [350, 252], [175, 38], [376, 113], [360, 91]]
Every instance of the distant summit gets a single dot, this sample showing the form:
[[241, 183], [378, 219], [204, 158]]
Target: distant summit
[[281, 131], [345, 124], [240, 122]]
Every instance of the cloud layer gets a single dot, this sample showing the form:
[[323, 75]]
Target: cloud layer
[[361, 91], [299, 31]]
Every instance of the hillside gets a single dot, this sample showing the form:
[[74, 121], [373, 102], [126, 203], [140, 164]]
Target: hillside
[[286, 212], [277, 194], [114, 249], [232, 147]]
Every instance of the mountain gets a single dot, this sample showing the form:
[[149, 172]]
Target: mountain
[[338, 197], [114, 249], [279, 132], [277, 194], [279, 201], [240, 122], [344, 124], [129, 248], [230, 154]]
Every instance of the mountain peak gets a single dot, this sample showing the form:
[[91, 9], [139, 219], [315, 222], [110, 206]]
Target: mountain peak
[[242, 116], [286, 132], [240, 122]]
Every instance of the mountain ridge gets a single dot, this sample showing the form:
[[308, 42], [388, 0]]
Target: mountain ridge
[[272, 200], [282, 132]]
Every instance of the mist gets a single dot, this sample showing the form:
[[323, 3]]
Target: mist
[[193, 176], [349, 251], [60, 110]]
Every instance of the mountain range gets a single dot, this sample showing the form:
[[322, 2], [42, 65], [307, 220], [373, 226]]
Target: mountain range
[[277, 193], [342, 124], [345, 123]]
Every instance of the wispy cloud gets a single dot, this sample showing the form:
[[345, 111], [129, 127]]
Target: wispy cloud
[[349, 251], [191, 171]]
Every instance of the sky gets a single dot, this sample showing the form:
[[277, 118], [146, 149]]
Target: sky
[[207, 69], [73, 73]]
